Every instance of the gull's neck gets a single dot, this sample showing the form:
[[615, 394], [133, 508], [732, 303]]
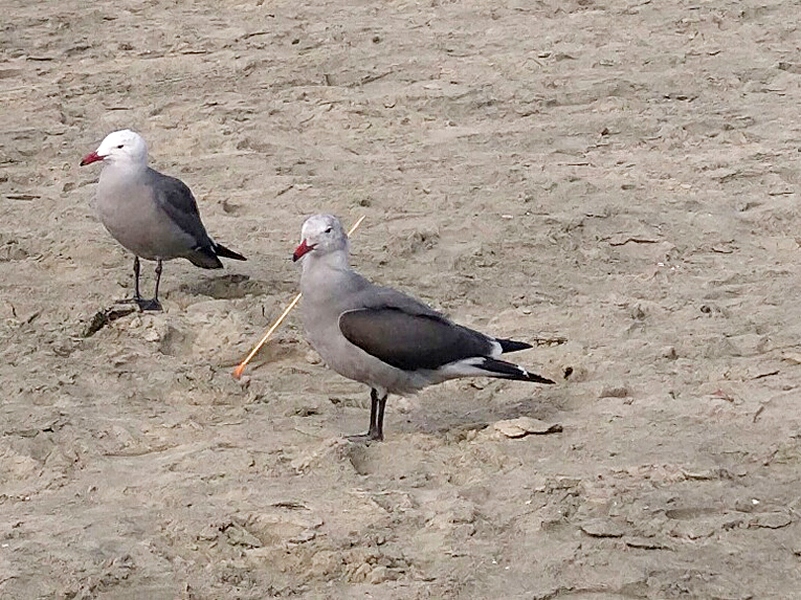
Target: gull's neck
[[124, 166], [333, 261]]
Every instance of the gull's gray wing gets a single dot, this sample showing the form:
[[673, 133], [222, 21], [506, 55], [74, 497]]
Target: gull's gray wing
[[176, 200], [412, 341]]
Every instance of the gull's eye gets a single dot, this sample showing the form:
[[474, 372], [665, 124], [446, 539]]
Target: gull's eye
[[121, 146]]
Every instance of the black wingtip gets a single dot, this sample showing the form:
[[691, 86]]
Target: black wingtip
[[507, 370], [540, 379], [205, 258], [512, 345], [227, 253]]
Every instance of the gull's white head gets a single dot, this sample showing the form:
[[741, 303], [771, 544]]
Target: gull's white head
[[321, 235], [120, 147]]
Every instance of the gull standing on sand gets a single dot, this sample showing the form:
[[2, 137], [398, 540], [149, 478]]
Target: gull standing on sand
[[382, 337], [152, 215]]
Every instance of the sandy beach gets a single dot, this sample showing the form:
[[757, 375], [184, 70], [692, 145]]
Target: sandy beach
[[616, 179]]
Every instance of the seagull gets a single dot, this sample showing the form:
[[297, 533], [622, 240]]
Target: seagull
[[384, 338], [154, 216]]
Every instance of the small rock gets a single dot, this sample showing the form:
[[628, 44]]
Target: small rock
[[744, 505], [602, 528], [304, 411], [361, 573], [523, 426], [378, 575], [239, 536], [620, 391], [792, 357], [772, 520]]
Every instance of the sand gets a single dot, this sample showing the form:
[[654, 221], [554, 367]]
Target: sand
[[618, 176]]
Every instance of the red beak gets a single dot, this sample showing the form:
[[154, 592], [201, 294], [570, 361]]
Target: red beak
[[304, 248], [90, 158]]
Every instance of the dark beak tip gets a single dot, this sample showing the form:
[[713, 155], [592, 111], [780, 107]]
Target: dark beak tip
[[302, 250]]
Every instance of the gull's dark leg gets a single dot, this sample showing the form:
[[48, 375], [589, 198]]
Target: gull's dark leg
[[153, 304], [158, 280], [373, 410], [377, 415], [376, 432], [137, 295]]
